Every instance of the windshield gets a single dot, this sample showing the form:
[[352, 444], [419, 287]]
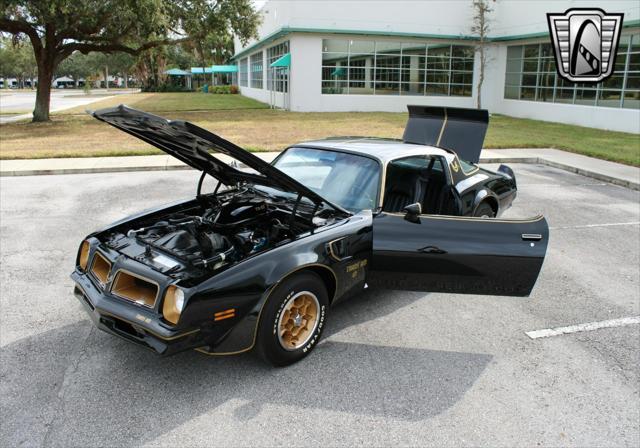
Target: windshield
[[348, 180]]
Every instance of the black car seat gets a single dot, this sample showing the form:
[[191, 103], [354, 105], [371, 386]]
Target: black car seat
[[423, 184], [400, 191], [447, 202]]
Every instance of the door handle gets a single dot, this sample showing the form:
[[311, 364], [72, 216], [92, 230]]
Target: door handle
[[531, 237], [432, 250]]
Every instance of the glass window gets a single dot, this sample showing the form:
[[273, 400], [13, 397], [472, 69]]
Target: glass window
[[388, 48], [357, 73], [461, 77], [633, 81], [631, 99], [334, 87], [414, 49], [383, 61], [615, 82], [440, 77], [332, 58], [277, 77], [634, 60], [531, 51], [243, 72], [512, 92], [564, 95], [318, 169], [545, 95], [585, 94], [514, 52], [335, 46], [412, 88], [396, 68], [529, 79], [361, 47], [547, 79], [334, 72], [256, 70], [531, 75], [530, 65], [634, 42], [437, 89]]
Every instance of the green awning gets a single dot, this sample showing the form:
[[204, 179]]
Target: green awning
[[215, 69], [177, 72], [339, 71], [196, 70], [224, 68], [283, 61]]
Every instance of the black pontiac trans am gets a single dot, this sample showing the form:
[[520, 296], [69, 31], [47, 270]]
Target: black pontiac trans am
[[258, 262]]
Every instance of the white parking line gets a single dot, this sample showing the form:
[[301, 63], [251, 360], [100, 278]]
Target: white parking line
[[587, 226], [590, 326]]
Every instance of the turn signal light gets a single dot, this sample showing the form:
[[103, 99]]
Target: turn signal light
[[83, 258], [173, 304]]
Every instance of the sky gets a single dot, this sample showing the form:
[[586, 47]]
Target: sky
[[259, 3]]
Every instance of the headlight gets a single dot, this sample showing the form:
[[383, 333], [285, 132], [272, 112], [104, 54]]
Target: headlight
[[83, 257], [179, 298], [173, 304]]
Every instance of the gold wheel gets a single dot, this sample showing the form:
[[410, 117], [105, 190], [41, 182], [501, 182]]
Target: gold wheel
[[298, 320]]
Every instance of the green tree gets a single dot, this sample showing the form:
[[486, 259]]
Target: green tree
[[76, 66], [150, 67], [7, 60], [58, 28], [17, 61], [181, 56], [121, 64], [481, 25], [99, 62]]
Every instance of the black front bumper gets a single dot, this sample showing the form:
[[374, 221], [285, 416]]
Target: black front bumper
[[131, 322]]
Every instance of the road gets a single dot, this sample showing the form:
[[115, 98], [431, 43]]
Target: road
[[394, 369], [17, 105]]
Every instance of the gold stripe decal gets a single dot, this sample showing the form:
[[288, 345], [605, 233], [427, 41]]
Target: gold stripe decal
[[226, 314], [444, 125]]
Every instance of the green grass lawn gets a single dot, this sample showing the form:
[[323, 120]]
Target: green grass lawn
[[508, 132], [252, 125], [174, 102]]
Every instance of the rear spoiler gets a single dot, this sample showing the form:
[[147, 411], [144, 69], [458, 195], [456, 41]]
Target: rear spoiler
[[457, 129]]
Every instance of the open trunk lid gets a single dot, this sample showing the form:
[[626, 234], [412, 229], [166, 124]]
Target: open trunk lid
[[454, 128], [191, 144]]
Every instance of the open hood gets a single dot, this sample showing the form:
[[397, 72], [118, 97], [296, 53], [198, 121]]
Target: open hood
[[460, 130], [191, 144]]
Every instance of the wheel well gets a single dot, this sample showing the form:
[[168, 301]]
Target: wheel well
[[326, 275], [492, 203]]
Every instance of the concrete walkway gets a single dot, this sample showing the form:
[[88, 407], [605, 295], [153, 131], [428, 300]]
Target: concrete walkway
[[615, 173]]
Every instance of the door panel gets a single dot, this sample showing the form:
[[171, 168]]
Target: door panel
[[457, 255]]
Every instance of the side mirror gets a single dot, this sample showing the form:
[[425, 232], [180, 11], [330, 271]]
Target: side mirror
[[413, 211]]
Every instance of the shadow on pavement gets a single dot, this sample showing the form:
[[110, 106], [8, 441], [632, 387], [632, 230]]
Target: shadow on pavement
[[77, 386]]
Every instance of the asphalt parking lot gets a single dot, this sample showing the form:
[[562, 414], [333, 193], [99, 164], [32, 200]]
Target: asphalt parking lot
[[395, 368]]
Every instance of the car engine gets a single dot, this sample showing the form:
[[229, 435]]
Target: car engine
[[213, 234]]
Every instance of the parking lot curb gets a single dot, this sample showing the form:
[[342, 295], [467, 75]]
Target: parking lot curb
[[563, 166], [170, 167], [110, 169], [598, 176]]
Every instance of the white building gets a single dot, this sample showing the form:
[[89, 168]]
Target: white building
[[381, 56]]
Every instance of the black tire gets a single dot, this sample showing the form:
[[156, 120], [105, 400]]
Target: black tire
[[303, 286], [484, 210]]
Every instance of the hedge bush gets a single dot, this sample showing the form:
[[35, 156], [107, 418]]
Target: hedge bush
[[224, 90]]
